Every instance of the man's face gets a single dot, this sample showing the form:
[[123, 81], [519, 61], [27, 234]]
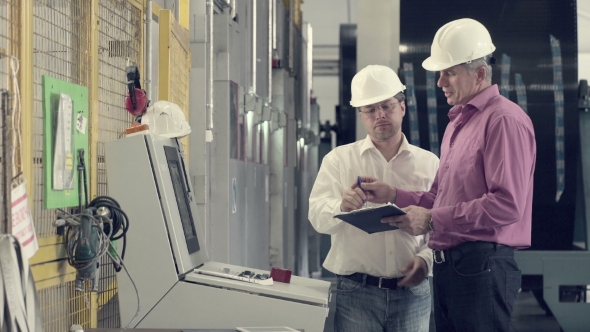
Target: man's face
[[383, 120], [458, 85]]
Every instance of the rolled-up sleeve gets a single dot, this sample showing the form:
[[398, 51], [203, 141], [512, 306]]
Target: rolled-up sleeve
[[426, 254]]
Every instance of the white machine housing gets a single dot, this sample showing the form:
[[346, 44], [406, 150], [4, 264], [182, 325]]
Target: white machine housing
[[166, 252]]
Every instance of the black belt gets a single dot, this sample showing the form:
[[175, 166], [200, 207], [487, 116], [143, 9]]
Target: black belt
[[381, 282], [457, 252]]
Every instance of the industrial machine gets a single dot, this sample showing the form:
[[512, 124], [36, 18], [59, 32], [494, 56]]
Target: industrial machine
[[564, 289], [169, 268]]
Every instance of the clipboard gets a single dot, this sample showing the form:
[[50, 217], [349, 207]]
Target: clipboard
[[369, 219]]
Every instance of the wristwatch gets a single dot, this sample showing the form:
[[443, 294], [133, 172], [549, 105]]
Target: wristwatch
[[431, 225]]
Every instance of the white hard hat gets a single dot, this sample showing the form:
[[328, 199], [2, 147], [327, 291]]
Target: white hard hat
[[373, 84], [166, 119], [458, 42]]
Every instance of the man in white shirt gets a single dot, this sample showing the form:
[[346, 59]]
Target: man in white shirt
[[382, 284]]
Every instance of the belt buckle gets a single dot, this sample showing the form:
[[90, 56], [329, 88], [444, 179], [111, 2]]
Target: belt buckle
[[380, 280], [442, 256]]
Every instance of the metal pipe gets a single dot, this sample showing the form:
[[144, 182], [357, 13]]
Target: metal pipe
[[148, 52], [274, 25], [270, 37], [6, 163], [209, 113], [291, 37], [233, 9], [254, 23], [309, 69]]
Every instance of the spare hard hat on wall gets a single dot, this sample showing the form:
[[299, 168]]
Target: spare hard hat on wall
[[373, 84], [166, 119], [458, 42]]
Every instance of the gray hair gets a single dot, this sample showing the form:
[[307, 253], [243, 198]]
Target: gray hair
[[483, 61]]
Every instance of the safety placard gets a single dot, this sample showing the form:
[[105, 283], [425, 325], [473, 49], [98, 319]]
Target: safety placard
[[23, 227]]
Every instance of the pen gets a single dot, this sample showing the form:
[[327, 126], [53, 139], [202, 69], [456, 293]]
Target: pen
[[360, 181]]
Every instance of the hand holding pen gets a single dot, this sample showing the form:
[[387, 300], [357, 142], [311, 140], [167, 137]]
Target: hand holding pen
[[354, 197], [376, 190], [360, 182]]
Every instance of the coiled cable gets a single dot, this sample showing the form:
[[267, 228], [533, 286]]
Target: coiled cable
[[120, 221]]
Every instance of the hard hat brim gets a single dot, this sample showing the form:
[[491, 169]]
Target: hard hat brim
[[431, 65], [374, 99]]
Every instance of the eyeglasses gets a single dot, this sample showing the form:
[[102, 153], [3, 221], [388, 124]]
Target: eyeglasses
[[385, 107]]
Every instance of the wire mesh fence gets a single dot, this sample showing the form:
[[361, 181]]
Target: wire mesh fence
[[62, 306], [61, 49], [120, 40], [180, 73], [108, 300], [120, 45], [9, 47], [63, 33]]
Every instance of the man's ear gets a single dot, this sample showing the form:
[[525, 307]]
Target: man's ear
[[481, 74], [402, 104]]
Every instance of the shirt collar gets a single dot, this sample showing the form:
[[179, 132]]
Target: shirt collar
[[478, 102], [405, 146]]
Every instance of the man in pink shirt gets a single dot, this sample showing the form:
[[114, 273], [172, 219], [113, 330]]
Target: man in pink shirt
[[479, 207]]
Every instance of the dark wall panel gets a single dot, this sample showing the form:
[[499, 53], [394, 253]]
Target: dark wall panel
[[520, 29], [346, 114]]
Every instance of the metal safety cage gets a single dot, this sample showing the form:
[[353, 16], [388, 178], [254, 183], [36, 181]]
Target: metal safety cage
[[120, 44], [88, 43], [61, 48]]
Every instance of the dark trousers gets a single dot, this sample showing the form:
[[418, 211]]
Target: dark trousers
[[475, 286]]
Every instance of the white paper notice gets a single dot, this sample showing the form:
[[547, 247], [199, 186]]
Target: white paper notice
[[22, 221], [81, 122]]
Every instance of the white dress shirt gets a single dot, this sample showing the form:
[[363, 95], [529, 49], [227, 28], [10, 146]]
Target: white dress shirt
[[381, 254]]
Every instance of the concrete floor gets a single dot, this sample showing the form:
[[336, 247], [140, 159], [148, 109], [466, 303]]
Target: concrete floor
[[527, 316]]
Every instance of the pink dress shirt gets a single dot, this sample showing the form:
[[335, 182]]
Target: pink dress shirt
[[483, 190]]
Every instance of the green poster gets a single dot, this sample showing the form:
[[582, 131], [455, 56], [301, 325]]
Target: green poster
[[65, 132]]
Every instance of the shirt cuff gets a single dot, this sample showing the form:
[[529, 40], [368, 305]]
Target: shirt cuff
[[403, 198], [443, 213], [426, 255]]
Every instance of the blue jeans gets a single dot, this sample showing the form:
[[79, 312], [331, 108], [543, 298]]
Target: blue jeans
[[475, 290], [361, 307]]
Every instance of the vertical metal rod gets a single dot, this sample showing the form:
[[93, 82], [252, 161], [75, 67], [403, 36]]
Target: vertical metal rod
[[148, 51], [309, 69], [584, 123], [254, 23], [274, 25], [270, 40], [291, 37], [6, 163], [209, 112]]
